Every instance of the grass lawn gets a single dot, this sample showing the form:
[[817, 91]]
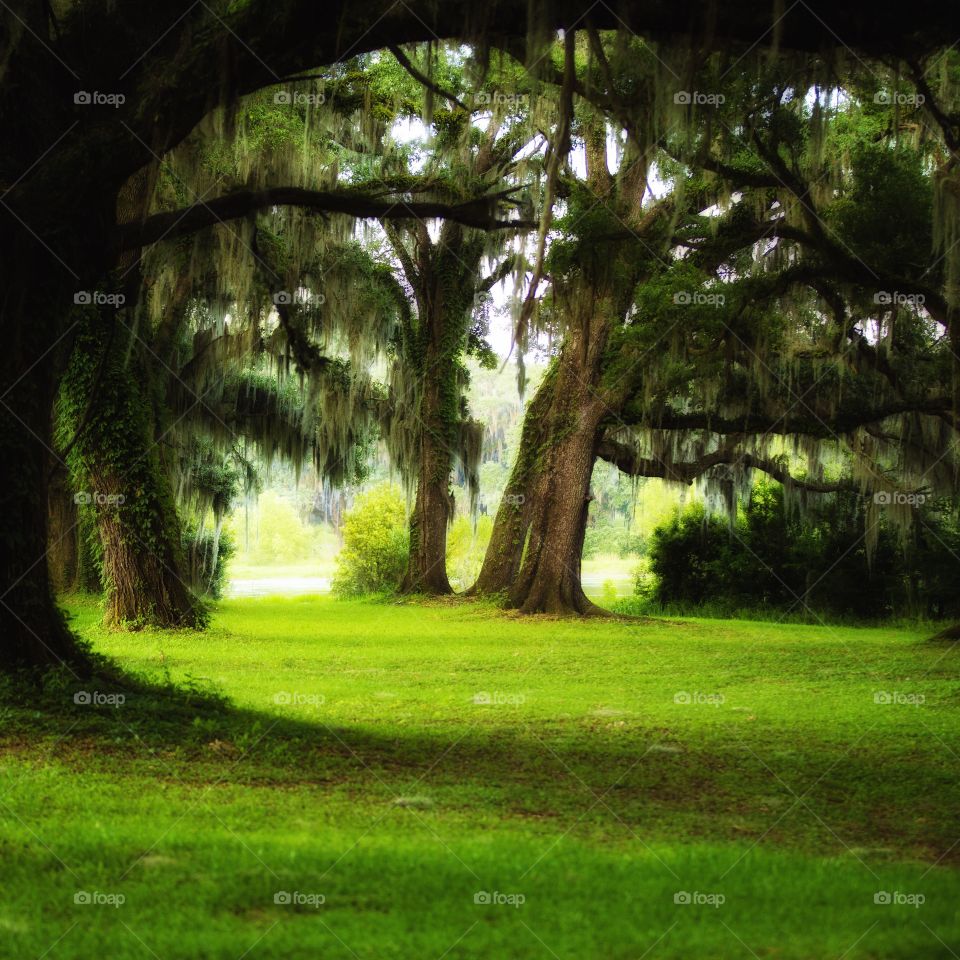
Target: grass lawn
[[447, 781]]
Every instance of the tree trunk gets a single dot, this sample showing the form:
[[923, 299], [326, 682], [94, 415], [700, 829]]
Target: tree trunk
[[549, 577], [536, 548], [63, 552], [119, 473], [501, 562], [32, 311], [433, 508]]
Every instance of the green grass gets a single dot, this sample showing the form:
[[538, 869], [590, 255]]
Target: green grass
[[353, 762]]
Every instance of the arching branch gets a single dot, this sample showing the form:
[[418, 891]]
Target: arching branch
[[477, 213]]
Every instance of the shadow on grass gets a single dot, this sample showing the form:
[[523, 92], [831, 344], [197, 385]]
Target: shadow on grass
[[644, 778]]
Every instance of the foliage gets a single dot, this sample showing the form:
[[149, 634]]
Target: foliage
[[777, 558], [375, 544]]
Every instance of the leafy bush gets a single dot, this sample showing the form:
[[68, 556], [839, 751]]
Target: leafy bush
[[773, 557], [375, 544]]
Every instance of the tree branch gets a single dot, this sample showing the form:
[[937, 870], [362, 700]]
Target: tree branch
[[422, 78], [167, 226]]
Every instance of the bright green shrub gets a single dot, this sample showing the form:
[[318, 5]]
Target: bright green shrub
[[376, 540]]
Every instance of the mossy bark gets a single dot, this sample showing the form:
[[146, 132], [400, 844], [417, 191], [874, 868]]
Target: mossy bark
[[501, 562], [433, 506], [548, 579], [119, 472]]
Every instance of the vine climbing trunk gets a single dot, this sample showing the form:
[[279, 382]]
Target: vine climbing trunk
[[118, 470]]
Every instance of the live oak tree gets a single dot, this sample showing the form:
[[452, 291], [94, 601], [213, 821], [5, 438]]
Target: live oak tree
[[67, 158], [764, 322]]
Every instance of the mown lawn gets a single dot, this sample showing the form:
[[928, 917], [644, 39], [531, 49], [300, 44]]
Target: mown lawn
[[379, 767]]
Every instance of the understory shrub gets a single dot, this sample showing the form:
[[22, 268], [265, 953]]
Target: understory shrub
[[777, 557], [375, 544]]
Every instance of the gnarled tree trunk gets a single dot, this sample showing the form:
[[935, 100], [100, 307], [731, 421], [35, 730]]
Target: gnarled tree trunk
[[501, 562], [548, 580], [120, 474]]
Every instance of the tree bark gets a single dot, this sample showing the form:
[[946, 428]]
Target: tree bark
[[504, 554], [433, 507], [63, 554], [548, 580], [32, 630], [116, 457]]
